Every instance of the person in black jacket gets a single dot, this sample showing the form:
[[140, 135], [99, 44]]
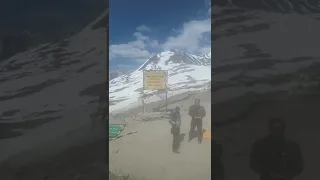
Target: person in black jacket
[[275, 157], [197, 112], [217, 166], [175, 130]]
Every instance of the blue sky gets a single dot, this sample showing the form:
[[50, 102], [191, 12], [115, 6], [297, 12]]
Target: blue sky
[[141, 28]]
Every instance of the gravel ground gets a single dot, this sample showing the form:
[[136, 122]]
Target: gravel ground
[[148, 153], [85, 161]]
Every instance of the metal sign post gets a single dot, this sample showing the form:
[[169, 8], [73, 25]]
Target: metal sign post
[[166, 101], [142, 94], [143, 105], [166, 91]]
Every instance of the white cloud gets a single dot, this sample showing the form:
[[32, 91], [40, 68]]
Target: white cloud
[[132, 50], [154, 44], [124, 67], [205, 50], [191, 37], [143, 28], [140, 36], [208, 5], [128, 51]]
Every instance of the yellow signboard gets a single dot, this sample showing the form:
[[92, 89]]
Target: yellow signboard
[[155, 80]]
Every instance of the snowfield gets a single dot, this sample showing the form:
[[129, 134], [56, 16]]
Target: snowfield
[[186, 72]]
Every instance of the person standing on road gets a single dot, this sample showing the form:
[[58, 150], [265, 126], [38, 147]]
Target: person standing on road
[[175, 130], [197, 112], [275, 157]]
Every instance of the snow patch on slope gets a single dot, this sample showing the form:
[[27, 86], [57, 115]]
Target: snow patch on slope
[[186, 72]]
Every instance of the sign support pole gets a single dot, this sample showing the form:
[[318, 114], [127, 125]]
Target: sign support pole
[[143, 105], [166, 100], [166, 91], [142, 94]]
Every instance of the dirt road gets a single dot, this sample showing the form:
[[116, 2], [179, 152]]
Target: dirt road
[[78, 156], [148, 153]]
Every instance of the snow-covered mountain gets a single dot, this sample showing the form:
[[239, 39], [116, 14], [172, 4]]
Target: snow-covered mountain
[[47, 88], [176, 57], [55, 86], [185, 71]]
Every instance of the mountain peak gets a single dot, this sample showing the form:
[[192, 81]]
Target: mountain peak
[[167, 59], [184, 72]]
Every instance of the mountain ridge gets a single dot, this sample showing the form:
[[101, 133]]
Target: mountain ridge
[[176, 57], [185, 71]]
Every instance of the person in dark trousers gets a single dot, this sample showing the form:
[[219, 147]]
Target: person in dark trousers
[[197, 112], [175, 130], [275, 157], [217, 166]]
